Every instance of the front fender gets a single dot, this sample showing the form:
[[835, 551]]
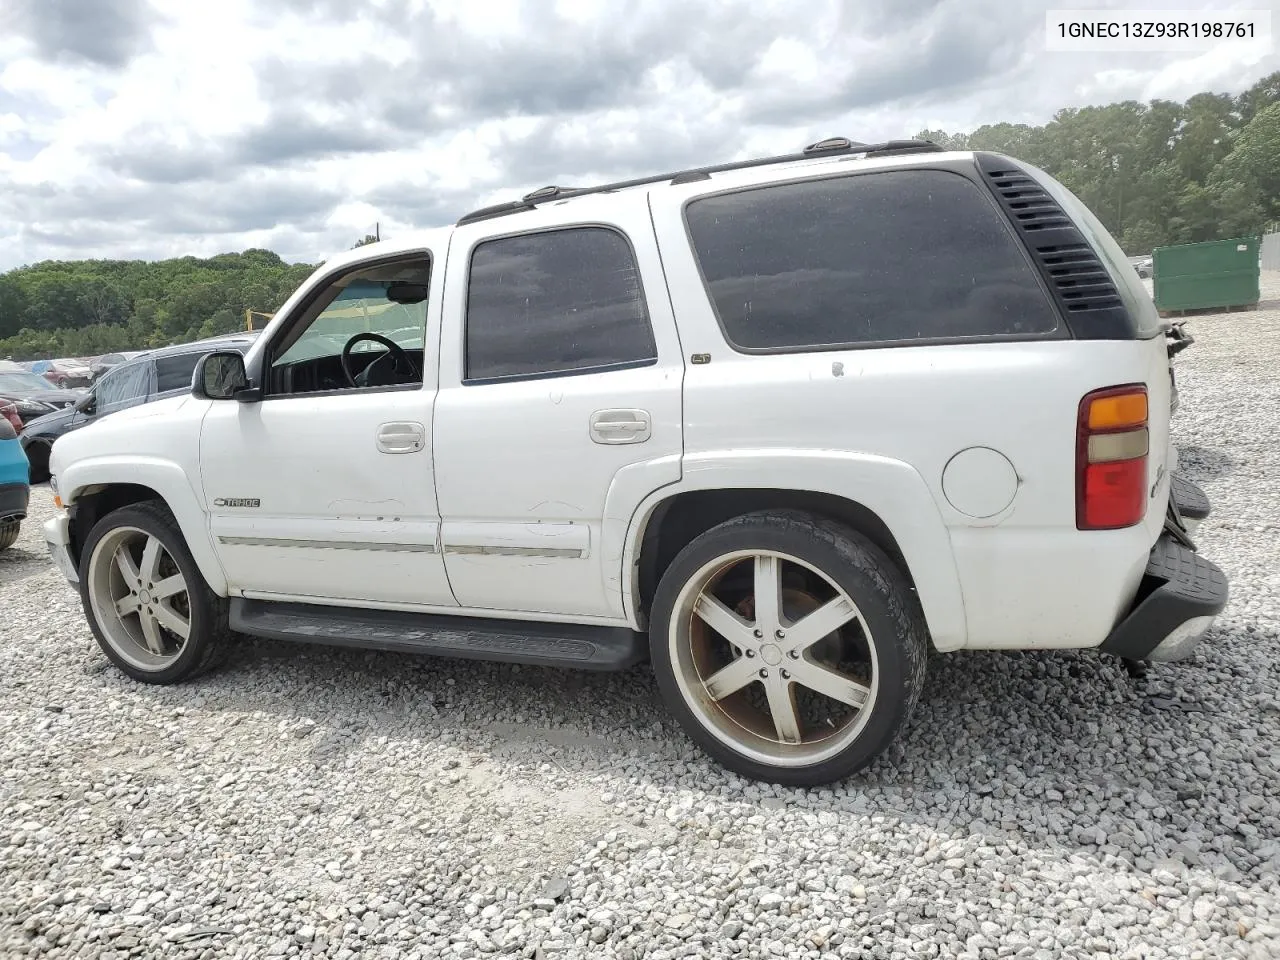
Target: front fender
[[168, 480], [891, 489]]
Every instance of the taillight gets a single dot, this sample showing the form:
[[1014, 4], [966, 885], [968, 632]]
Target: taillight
[[1111, 458]]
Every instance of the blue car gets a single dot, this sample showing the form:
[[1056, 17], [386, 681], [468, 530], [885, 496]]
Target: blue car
[[14, 490]]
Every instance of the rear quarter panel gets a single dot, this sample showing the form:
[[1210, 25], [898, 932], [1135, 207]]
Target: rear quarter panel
[[1024, 576]]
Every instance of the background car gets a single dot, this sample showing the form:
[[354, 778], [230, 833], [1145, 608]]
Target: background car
[[110, 360], [32, 395], [1143, 265], [151, 375], [64, 373], [9, 411], [14, 489]]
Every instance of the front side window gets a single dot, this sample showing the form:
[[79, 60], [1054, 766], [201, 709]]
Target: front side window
[[864, 259], [366, 329], [557, 302], [122, 387]]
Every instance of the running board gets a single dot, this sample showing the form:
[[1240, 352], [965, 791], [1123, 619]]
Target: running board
[[472, 638]]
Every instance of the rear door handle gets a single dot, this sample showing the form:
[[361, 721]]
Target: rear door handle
[[621, 426], [402, 437]]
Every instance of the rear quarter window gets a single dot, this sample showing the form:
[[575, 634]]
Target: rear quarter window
[[905, 256]]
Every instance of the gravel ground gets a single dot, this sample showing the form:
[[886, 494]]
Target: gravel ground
[[314, 802]]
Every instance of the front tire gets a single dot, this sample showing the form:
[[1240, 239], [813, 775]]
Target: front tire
[[788, 646], [9, 530], [148, 605]]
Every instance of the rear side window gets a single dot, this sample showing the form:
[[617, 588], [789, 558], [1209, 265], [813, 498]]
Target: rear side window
[[910, 255], [559, 302], [174, 373]]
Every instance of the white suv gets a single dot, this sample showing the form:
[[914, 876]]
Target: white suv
[[779, 426]]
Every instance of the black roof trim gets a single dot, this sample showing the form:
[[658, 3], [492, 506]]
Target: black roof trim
[[833, 146]]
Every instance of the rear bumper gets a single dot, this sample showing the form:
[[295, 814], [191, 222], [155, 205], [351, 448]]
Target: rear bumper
[[14, 498], [1182, 592], [1190, 500]]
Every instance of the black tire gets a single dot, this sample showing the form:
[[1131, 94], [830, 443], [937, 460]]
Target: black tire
[[209, 640], [9, 530], [873, 582], [38, 454]]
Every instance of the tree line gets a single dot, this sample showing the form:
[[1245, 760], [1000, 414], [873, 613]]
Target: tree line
[[88, 307], [1155, 173], [1158, 173]]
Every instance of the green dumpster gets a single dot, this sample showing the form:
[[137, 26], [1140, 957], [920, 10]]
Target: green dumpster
[[1218, 274]]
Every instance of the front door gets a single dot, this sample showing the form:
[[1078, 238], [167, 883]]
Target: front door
[[559, 407], [324, 490]]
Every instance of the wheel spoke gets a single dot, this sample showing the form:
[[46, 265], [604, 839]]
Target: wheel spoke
[[151, 633], [169, 586], [829, 683], [782, 707], [151, 559], [768, 593], [828, 618], [127, 605], [172, 620], [731, 679], [725, 622], [128, 569]]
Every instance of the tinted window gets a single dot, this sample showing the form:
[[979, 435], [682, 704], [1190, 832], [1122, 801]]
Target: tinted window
[[123, 386], [553, 303], [174, 373], [905, 255]]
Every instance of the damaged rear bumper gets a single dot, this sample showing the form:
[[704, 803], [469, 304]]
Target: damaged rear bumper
[[1182, 593]]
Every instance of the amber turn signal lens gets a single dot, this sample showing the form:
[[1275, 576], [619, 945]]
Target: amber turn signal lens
[[1117, 411]]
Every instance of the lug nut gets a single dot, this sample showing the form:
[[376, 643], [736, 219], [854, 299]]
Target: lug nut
[[786, 675], [758, 633], [751, 653], [793, 655], [764, 674], [779, 634]]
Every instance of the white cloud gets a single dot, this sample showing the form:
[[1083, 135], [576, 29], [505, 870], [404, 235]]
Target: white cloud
[[164, 127]]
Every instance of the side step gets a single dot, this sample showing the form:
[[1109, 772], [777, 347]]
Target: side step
[[471, 638]]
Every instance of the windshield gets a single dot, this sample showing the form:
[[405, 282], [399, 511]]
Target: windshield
[[24, 382]]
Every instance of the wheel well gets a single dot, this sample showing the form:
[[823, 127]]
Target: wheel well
[[96, 502], [677, 521]]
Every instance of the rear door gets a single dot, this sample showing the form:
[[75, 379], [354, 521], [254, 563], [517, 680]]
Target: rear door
[[559, 407]]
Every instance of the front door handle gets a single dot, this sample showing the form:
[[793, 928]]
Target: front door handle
[[621, 426], [404, 437]]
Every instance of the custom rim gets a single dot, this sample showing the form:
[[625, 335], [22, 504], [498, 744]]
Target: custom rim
[[774, 658], [139, 598]]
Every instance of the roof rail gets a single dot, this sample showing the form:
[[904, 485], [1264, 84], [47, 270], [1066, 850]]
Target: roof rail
[[832, 146]]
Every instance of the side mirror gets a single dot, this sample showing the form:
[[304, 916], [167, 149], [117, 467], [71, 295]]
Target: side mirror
[[222, 376], [87, 404]]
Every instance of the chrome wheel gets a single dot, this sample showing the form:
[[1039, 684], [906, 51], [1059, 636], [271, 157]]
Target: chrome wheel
[[139, 598], [774, 658]]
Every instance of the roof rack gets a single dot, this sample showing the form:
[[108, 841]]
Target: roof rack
[[832, 146]]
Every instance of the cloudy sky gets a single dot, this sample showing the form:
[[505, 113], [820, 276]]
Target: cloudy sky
[[155, 128]]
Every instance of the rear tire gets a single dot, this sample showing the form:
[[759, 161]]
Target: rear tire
[[802, 691], [9, 530], [148, 605]]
